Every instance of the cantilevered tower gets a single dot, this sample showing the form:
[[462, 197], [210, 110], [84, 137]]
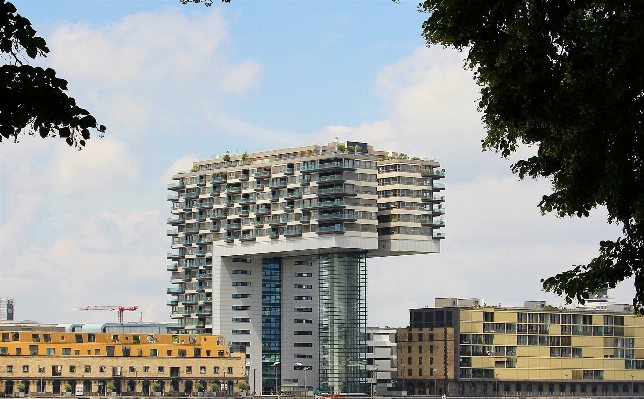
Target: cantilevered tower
[[270, 250]]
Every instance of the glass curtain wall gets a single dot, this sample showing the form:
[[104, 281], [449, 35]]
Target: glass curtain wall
[[342, 310], [271, 324]]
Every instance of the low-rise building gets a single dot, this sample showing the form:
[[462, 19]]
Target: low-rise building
[[92, 363], [534, 350]]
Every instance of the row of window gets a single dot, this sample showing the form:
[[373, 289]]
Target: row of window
[[57, 370], [109, 351], [247, 307]]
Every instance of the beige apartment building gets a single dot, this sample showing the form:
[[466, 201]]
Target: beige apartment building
[[91, 363], [471, 349]]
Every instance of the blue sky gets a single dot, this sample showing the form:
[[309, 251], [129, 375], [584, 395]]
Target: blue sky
[[176, 83]]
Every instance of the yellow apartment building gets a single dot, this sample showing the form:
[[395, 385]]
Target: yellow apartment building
[[474, 350], [92, 363]]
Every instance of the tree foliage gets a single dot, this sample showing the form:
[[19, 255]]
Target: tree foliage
[[565, 76], [33, 99]]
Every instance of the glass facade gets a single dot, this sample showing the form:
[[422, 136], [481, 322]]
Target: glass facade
[[271, 323], [342, 306]]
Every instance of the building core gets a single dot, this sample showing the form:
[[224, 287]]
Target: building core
[[270, 250]]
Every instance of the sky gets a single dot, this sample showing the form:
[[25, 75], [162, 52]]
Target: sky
[[178, 83]]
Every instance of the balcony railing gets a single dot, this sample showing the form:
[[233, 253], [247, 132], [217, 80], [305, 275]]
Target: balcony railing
[[248, 200], [233, 190], [248, 235], [336, 191], [289, 171], [176, 220], [294, 194], [258, 187], [438, 186], [232, 226], [262, 211], [263, 173], [330, 178], [432, 198], [176, 185], [173, 197], [191, 230], [330, 230], [174, 255], [432, 223], [172, 267], [191, 195], [218, 179], [292, 233], [277, 184], [438, 235], [173, 232], [337, 216], [175, 290], [435, 173], [229, 239]]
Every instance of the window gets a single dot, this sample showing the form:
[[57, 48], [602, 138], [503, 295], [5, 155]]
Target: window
[[303, 356], [188, 369], [303, 286], [230, 370], [241, 319], [79, 338], [35, 337], [303, 274], [101, 369], [154, 352], [97, 352], [92, 337], [41, 369], [241, 284], [243, 260], [302, 298], [216, 370], [18, 351], [237, 296], [241, 331], [25, 369], [238, 307], [202, 369], [241, 271], [409, 349], [76, 352], [88, 369], [409, 360], [409, 372], [160, 370], [67, 351], [146, 369], [46, 337], [420, 372], [303, 263], [72, 369], [307, 310], [303, 345], [302, 332], [33, 350], [420, 361], [182, 353], [168, 352], [302, 321], [9, 369], [132, 369]]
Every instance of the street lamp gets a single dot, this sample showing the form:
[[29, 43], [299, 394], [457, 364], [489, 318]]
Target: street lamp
[[496, 381], [632, 377], [403, 375], [374, 373], [435, 388], [275, 365]]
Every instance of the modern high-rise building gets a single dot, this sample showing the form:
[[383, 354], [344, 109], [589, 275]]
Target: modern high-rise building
[[6, 309], [270, 250]]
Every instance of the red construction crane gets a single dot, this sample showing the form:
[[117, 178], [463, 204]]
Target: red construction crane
[[120, 309]]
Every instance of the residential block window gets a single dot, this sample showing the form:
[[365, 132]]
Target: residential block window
[[67, 351], [182, 353], [420, 372], [132, 369], [9, 369], [88, 369], [97, 352], [420, 349], [409, 349], [409, 360], [230, 370], [409, 372], [101, 369], [160, 369], [25, 369], [146, 369], [202, 369], [420, 361], [216, 370], [50, 351], [188, 369], [72, 369]]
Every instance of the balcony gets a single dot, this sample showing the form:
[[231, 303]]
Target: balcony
[[432, 198], [201, 180], [295, 194], [201, 218], [289, 171], [176, 220], [191, 265], [331, 178], [263, 210], [274, 234], [204, 276], [274, 197], [203, 312], [277, 221], [328, 166], [277, 184], [229, 202], [173, 232], [258, 187], [248, 235], [229, 240], [218, 179], [190, 301], [262, 173], [347, 217], [438, 211], [335, 191], [174, 255], [232, 226], [176, 185], [248, 200], [292, 233], [215, 191], [187, 240], [172, 267], [329, 204], [305, 181], [204, 240], [175, 290], [258, 224], [204, 205], [243, 176], [432, 223], [335, 229], [173, 197], [434, 173], [172, 302], [219, 215], [186, 278], [438, 186], [233, 190], [289, 208], [214, 227], [437, 235], [243, 213], [191, 230], [192, 195]]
